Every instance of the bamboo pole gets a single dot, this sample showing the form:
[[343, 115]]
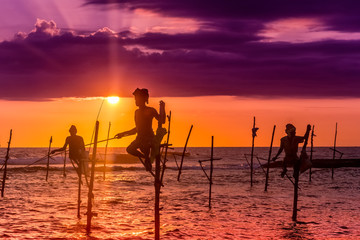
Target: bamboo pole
[[100, 141], [311, 150], [5, 165], [157, 197], [97, 118], [91, 186], [296, 185], [183, 155], [157, 182], [106, 146], [332, 169], [64, 170], [79, 172], [297, 175], [166, 149], [268, 165], [211, 160], [48, 160], [211, 168], [252, 153]]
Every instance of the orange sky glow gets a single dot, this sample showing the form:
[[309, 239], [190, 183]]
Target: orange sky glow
[[229, 119]]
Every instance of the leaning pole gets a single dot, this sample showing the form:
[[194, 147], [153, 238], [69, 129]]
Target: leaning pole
[[91, 185]]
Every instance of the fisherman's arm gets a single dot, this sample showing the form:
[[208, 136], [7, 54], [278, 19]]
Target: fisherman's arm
[[306, 136], [284, 163], [162, 115], [126, 133], [301, 139], [61, 149], [82, 144], [279, 152]]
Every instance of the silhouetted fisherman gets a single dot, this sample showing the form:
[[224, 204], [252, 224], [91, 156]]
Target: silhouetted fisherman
[[143, 126], [290, 144], [76, 148]]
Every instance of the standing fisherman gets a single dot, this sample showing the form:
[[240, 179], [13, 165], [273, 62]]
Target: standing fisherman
[[143, 127], [290, 144]]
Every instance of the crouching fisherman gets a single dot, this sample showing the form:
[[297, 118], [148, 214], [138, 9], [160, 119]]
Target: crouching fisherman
[[77, 152], [290, 144], [143, 127]]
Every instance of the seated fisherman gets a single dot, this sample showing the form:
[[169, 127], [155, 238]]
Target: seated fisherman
[[76, 147], [290, 144], [143, 126]]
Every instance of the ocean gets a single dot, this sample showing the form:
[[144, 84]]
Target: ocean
[[124, 201]]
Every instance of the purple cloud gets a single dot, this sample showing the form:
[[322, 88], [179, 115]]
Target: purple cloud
[[50, 62], [340, 16]]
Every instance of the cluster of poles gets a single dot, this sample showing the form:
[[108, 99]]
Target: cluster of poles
[[160, 166], [158, 174]]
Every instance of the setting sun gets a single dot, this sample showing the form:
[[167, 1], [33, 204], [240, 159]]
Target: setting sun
[[113, 99]]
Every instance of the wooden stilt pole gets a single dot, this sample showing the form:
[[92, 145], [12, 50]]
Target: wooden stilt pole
[[166, 149], [252, 153], [311, 150], [183, 155], [211, 160], [106, 146], [297, 165], [157, 197], [268, 165], [91, 185], [64, 170], [79, 172], [157, 182], [332, 169], [296, 186], [5, 165], [211, 168], [48, 160]]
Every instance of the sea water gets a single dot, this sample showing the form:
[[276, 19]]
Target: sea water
[[124, 201]]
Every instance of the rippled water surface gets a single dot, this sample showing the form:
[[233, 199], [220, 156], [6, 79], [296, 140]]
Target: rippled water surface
[[35, 209]]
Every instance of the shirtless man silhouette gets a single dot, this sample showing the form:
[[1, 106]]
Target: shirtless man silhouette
[[143, 126], [290, 144], [76, 148]]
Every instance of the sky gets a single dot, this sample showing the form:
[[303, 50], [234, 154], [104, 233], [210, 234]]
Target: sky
[[216, 64]]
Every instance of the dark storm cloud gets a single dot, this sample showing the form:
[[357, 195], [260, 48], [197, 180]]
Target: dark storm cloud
[[49, 63], [340, 15], [207, 40]]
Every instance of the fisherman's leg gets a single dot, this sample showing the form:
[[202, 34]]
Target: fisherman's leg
[[296, 168], [83, 170], [79, 169], [133, 149], [283, 173], [146, 152], [75, 164]]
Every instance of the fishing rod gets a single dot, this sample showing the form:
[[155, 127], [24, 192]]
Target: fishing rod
[[43, 158], [97, 118], [258, 159], [109, 139], [55, 154]]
